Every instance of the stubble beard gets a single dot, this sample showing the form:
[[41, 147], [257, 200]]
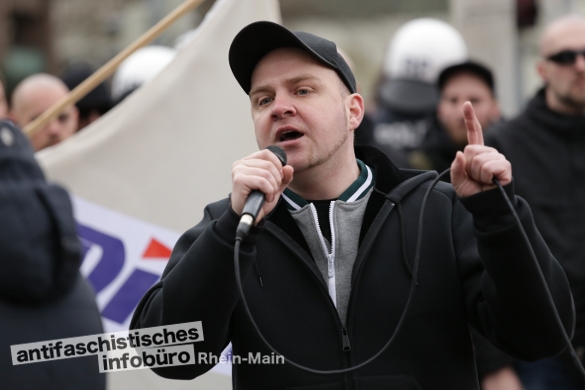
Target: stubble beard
[[315, 162], [575, 101], [331, 152], [574, 97]]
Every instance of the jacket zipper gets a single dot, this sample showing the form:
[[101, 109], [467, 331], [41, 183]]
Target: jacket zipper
[[345, 339], [346, 345], [331, 267], [329, 254]]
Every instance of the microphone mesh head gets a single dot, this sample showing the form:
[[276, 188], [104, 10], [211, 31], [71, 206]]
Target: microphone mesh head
[[279, 152]]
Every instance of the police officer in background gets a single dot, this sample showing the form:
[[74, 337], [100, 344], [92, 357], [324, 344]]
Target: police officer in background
[[407, 95]]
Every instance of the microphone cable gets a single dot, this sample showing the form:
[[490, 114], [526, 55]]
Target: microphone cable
[[413, 285]]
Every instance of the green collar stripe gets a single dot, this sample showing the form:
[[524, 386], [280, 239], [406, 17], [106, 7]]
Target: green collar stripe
[[357, 190], [364, 188], [291, 204]]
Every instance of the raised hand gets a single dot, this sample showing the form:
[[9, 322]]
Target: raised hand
[[473, 169]]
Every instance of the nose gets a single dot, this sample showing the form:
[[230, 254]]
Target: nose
[[54, 128], [282, 106]]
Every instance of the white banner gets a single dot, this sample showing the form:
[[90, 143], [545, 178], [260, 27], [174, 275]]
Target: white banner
[[143, 173]]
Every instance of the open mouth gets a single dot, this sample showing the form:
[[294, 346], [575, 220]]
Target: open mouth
[[289, 136]]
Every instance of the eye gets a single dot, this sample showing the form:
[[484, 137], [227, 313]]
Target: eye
[[264, 101], [303, 91]]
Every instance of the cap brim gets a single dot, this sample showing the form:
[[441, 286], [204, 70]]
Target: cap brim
[[256, 40], [410, 96]]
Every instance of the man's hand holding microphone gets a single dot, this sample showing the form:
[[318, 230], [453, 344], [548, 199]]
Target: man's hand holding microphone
[[258, 180]]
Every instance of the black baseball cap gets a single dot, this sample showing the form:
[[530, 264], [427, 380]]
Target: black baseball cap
[[480, 71], [256, 40]]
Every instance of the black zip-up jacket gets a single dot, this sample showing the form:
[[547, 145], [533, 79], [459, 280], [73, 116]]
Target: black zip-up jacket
[[472, 271], [547, 152]]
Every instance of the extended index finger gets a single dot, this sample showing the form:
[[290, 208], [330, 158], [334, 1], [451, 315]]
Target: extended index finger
[[474, 132]]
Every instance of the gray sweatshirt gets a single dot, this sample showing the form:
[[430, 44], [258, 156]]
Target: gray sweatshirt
[[335, 259]]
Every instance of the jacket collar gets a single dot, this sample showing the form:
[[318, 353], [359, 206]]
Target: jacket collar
[[395, 183], [392, 184], [391, 181], [357, 190], [387, 174], [387, 177]]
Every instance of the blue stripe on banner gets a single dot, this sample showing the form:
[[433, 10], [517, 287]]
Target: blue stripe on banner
[[85, 247], [128, 296], [112, 259]]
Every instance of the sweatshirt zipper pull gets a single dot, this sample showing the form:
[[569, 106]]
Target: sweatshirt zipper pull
[[345, 338]]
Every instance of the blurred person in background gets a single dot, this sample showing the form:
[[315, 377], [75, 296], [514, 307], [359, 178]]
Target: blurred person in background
[[33, 96], [93, 105], [473, 82], [546, 146], [407, 95], [467, 81], [42, 294]]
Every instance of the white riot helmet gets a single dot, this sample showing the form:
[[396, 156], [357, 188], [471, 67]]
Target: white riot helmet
[[142, 66], [417, 53]]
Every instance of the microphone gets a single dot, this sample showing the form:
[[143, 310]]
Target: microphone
[[256, 200]]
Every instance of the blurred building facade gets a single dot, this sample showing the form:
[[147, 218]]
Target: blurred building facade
[[26, 42], [503, 34], [48, 35]]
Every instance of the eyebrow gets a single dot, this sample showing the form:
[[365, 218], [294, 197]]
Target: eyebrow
[[292, 81], [303, 77]]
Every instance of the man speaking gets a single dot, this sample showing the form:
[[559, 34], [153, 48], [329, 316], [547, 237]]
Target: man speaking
[[327, 268]]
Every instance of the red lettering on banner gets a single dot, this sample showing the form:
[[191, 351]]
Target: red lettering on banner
[[156, 250]]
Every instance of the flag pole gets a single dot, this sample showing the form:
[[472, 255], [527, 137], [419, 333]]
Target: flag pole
[[107, 69]]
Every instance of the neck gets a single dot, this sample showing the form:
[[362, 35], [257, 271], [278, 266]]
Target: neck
[[327, 180], [562, 107]]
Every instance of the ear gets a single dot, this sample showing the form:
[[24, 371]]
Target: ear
[[356, 110], [541, 69]]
